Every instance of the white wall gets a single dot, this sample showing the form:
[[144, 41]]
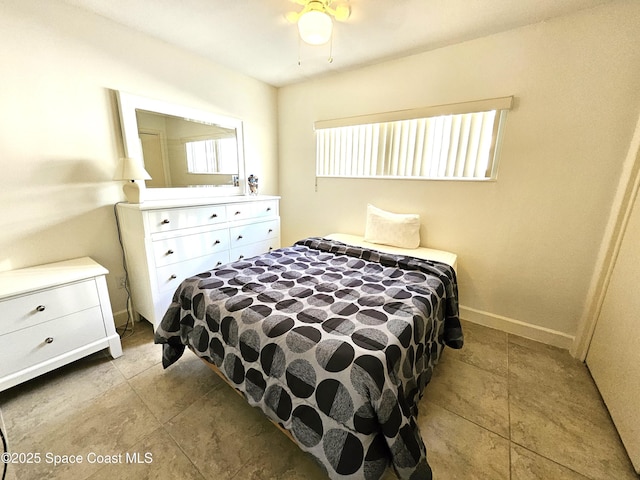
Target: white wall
[[59, 132], [528, 242]]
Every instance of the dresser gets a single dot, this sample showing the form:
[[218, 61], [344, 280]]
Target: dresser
[[51, 315], [165, 242]]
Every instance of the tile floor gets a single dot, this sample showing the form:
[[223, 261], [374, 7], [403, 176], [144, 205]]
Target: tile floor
[[501, 408]]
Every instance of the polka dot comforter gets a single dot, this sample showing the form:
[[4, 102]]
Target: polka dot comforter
[[333, 342]]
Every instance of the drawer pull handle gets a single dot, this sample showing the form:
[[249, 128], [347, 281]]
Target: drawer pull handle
[[238, 212], [270, 248], [239, 237], [166, 220], [240, 257], [268, 209], [173, 277], [214, 215], [169, 252], [218, 264], [48, 340], [270, 230], [40, 308], [216, 242]]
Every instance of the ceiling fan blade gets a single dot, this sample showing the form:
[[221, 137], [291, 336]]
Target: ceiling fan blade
[[341, 12], [293, 17]]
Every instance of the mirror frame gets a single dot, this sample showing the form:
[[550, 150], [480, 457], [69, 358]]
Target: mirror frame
[[128, 104]]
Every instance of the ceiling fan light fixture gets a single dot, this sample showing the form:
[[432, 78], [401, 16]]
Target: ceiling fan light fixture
[[315, 27]]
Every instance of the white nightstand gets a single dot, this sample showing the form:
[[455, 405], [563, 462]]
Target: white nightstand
[[51, 315]]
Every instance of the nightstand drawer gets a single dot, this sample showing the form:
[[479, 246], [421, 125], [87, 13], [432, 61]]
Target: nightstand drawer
[[176, 218], [254, 232], [38, 307], [170, 276], [30, 346], [178, 249]]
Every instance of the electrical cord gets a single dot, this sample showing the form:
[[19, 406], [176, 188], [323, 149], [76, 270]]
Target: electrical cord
[[4, 462], [126, 276], [5, 448]]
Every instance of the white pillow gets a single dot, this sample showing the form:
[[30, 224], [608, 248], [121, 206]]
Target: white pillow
[[395, 229]]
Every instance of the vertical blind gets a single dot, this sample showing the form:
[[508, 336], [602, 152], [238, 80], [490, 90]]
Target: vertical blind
[[449, 146]]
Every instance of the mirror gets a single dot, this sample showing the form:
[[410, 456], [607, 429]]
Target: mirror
[[183, 148]]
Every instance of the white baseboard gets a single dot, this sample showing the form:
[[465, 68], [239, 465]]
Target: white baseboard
[[516, 327]]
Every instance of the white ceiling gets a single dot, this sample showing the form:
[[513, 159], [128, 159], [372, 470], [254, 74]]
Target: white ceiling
[[253, 36]]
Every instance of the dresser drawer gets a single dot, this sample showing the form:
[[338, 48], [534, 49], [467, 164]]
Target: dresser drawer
[[164, 300], [248, 251], [268, 208], [42, 306], [243, 211], [39, 343], [176, 218], [170, 240], [254, 232], [178, 249], [170, 276]]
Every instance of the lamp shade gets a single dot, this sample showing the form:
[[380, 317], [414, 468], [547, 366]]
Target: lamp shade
[[315, 27], [130, 169]]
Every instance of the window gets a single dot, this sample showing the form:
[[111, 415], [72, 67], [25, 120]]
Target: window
[[212, 156], [457, 142]]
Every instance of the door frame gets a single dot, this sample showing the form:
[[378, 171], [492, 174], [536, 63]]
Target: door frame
[[628, 187], [163, 150]]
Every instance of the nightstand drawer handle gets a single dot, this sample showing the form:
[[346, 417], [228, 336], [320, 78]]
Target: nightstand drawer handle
[[238, 212], [240, 257], [40, 308], [166, 220], [48, 340], [214, 215], [217, 242], [270, 230], [268, 209], [239, 237], [173, 277], [169, 252], [218, 264]]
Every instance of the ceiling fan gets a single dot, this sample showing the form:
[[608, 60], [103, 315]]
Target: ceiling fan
[[314, 20]]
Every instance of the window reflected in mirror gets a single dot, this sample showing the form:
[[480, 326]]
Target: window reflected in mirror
[[212, 156]]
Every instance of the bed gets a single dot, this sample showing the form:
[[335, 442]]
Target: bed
[[333, 341]]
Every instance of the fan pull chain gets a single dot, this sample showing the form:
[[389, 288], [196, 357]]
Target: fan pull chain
[[329, 59]]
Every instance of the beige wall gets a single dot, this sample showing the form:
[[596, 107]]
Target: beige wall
[[60, 137], [528, 242]]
